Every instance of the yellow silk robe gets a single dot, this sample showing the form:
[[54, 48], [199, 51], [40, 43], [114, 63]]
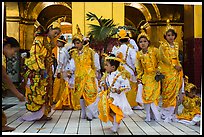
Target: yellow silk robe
[[146, 66], [172, 83], [191, 108], [40, 92], [85, 77]]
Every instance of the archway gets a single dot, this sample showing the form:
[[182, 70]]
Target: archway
[[47, 12]]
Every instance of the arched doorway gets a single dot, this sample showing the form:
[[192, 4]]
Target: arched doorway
[[47, 12]]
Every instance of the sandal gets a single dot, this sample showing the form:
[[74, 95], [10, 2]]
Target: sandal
[[44, 118], [7, 129]]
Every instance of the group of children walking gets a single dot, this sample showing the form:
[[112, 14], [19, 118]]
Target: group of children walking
[[132, 79]]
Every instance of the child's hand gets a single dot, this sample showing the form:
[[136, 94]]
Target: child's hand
[[139, 81]]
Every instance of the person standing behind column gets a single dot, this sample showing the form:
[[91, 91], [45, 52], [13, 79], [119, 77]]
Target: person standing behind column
[[147, 66], [172, 69]]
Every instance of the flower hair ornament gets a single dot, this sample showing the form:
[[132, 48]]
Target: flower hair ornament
[[123, 34], [143, 33], [57, 23]]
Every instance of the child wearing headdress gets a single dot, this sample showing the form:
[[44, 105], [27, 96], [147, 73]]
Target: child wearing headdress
[[86, 84], [191, 105], [64, 77], [113, 105], [147, 66], [172, 69]]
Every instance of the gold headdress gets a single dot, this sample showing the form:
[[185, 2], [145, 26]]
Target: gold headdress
[[123, 34], [78, 35], [118, 58], [104, 54], [143, 33], [168, 26], [188, 86], [57, 23]]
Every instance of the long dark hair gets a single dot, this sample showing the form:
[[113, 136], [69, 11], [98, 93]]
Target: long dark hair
[[12, 41]]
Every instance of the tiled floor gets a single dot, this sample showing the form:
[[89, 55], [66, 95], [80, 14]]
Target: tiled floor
[[69, 122]]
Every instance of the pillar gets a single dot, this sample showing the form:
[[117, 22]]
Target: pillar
[[112, 10]]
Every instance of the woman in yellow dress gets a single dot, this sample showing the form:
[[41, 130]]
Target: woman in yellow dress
[[147, 67], [192, 105], [86, 84], [172, 69], [39, 72]]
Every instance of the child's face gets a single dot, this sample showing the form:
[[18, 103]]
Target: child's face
[[78, 44], [108, 67], [53, 33], [170, 37], [189, 94], [10, 51], [143, 43]]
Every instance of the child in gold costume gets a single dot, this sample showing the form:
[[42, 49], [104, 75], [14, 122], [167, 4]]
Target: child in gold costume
[[64, 77], [113, 104], [39, 72], [86, 84], [192, 105], [172, 69], [147, 66]]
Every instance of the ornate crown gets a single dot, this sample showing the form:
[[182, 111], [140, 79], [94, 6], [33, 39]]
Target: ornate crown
[[78, 35], [57, 23], [143, 33], [118, 58], [188, 86], [168, 26]]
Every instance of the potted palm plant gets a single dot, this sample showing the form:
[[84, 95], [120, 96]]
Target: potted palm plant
[[101, 34]]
